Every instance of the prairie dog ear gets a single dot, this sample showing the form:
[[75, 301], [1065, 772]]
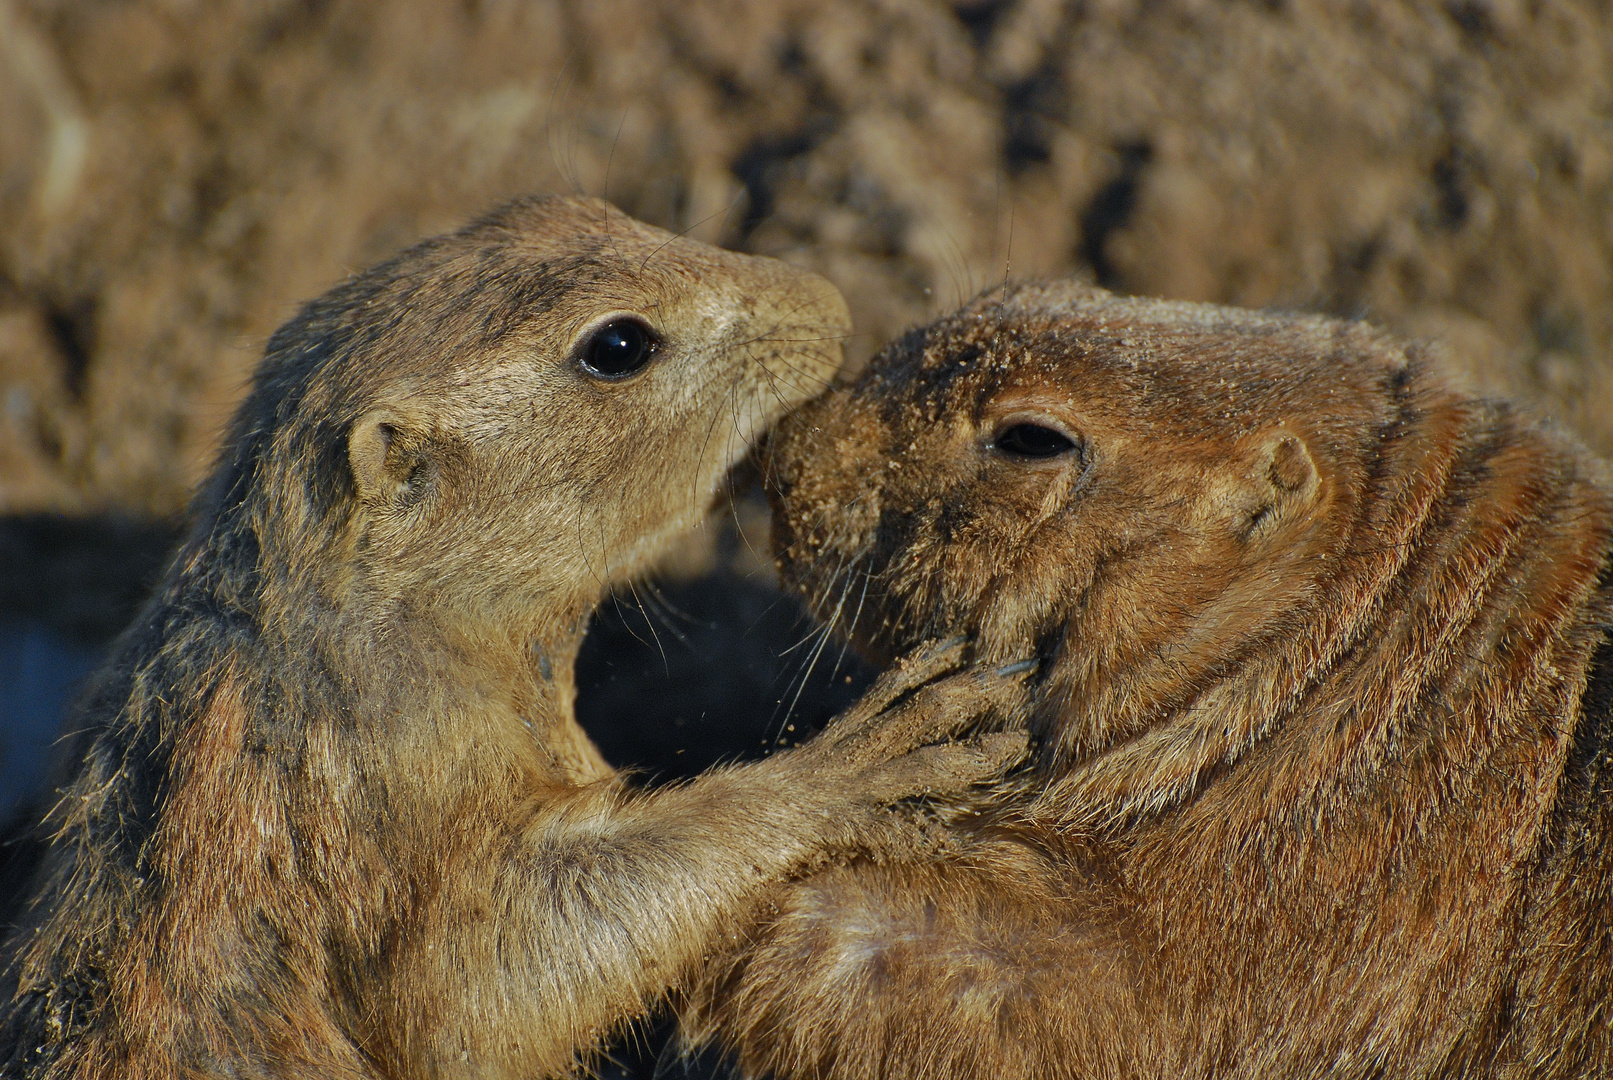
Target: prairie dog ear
[[1283, 478], [388, 455], [1289, 465]]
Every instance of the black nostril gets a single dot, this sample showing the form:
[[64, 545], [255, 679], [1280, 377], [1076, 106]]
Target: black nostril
[[1033, 441], [618, 349]]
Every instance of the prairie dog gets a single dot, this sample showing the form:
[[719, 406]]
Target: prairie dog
[[1324, 764], [334, 816]]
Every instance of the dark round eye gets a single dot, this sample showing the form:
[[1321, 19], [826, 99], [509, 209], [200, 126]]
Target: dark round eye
[[618, 349], [1033, 441]]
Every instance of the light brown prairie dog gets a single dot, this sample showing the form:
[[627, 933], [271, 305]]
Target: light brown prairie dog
[[334, 816], [1324, 778]]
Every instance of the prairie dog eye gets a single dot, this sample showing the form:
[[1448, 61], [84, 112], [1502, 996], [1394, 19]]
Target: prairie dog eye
[[1033, 441], [618, 349]]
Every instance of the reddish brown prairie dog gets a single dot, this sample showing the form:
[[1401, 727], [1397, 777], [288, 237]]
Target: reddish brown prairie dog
[[1324, 772], [334, 817]]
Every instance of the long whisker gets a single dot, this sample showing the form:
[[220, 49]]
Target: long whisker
[[670, 610], [817, 604], [649, 622], [823, 634], [680, 234], [823, 638], [851, 627], [610, 160]]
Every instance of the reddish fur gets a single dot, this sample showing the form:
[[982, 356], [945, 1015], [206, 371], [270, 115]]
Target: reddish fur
[[1321, 790]]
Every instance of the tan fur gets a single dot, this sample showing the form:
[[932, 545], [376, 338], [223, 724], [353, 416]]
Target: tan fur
[[1324, 783], [334, 816]]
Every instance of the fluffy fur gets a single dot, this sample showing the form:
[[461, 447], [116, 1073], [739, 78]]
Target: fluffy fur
[[333, 816], [1324, 778]]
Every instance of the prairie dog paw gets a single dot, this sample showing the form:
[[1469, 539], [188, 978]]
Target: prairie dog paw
[[886, 724]]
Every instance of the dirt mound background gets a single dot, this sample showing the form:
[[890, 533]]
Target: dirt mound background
[[175, 176]]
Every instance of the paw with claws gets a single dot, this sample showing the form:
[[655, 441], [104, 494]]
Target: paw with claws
[[897, 741]]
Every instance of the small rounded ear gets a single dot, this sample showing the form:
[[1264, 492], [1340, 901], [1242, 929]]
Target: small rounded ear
[[1283, 479], [387, 455], [1291, 468]]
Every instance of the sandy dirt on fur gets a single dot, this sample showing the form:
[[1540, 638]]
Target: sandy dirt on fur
[[176, 175]]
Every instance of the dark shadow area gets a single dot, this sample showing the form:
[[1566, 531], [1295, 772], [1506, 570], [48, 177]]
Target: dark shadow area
[[80, 578], [1453, 184], [764, 164], [1031, 113], [67, 586], [72, 325], [649, 1052], [980, 18], [1110, 209], [715, 669]]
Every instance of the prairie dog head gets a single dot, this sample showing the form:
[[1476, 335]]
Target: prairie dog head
[[1117, 485], [503, 422]]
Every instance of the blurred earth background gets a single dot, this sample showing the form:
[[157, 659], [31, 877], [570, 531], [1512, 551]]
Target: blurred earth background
[[177, 175]]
